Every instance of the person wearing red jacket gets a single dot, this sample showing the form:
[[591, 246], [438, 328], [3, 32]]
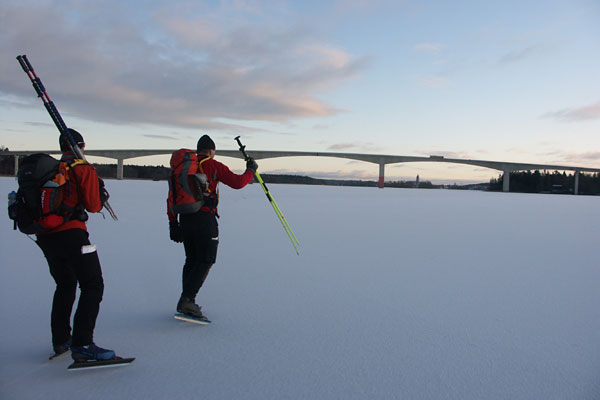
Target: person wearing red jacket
[[199, 231], [73, 259]]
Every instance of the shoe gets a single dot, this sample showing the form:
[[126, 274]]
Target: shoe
[[61, 348], [188, 307], [91, 352]]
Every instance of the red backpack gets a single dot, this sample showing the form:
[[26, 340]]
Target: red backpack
[[38, 205], [188, 186]]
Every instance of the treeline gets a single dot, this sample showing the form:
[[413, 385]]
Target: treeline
[[548, 182], [149, 172], [7, 163], [306, 180], [7, 167], [412, 184]]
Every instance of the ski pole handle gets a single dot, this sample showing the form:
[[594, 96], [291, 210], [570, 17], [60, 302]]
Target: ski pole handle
[[242, 148]]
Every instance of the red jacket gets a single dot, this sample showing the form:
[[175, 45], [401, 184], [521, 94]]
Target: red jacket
[[83, 181], [217, 172]]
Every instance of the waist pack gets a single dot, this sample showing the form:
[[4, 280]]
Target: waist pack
[[188, 185], [38, 205]]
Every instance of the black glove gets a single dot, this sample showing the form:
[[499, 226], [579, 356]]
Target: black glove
[[251, 164], [103, 192], [175, 232]]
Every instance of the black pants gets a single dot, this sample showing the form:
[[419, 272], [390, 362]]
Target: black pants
[[200, 240], [63, 251]]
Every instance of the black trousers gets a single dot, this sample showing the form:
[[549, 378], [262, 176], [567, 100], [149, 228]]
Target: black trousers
[[68, 266], [200, 240]]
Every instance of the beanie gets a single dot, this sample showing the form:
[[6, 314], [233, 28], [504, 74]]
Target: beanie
[[205, 143], [63, 141]]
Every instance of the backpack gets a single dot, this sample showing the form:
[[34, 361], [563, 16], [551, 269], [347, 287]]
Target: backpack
[[188, 185], [37, 206]]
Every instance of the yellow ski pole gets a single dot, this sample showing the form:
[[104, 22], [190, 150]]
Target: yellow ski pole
[[284, 223]]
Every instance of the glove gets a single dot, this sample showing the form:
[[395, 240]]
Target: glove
[[175, 232], [103, 192], [251, 164]]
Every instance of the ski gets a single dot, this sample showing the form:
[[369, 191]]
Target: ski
[[93, 364], [39, 88], [195, 320]]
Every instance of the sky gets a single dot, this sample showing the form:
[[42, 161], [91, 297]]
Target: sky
[[505, 81]]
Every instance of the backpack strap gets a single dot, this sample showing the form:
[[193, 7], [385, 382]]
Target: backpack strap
[[212, 197], [202, 172], [77, 211], [173, 187]]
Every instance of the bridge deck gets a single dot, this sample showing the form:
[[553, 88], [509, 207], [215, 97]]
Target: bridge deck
[[379, 159]]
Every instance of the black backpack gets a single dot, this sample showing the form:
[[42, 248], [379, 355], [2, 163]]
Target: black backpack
[[38, 206]]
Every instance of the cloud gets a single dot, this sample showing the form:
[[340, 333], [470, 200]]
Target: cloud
[[517, 55], [428, 48], [173, 65], [361, 7], [435, 82], [590, 159], [583, 113], [39, 124], [14, 102], [338, 174], [587, 156], [446, 154], [360, 147], [517, 150], [162, 137]]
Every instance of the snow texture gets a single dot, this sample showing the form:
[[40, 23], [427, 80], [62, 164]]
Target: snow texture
[[397, 293]]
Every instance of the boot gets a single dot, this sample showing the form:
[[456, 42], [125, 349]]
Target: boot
[[188, 307], [91, 352], [61, 348]]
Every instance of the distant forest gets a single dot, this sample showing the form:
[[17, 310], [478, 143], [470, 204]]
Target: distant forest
[[548, 182], [525, 181]]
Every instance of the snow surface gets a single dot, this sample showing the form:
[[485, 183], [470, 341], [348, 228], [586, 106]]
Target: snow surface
[[397, 293]]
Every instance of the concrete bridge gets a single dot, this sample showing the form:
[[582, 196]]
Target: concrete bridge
[[381, 160]]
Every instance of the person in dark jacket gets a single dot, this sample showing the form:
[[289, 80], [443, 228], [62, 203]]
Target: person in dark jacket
[[199, 231], [73, 259]]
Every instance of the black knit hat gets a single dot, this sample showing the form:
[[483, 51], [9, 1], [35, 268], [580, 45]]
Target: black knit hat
[[205, 143], [64, 142]]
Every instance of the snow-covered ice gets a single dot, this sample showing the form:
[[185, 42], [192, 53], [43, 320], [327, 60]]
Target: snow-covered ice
[[397, 293]]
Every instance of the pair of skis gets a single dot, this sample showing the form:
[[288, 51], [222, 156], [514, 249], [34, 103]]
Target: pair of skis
[[55, 115]]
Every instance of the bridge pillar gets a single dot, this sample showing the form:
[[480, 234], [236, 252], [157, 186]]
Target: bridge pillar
[[576, 189], [120, 169], [381, 175], [506, 181], [16, 164]]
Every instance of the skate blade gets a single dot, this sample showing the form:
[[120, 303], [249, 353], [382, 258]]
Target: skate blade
[[58, 355], [187, 318], [95, 364]]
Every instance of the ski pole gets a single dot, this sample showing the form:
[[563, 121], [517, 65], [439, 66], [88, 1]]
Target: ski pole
[[278, 212], [55, 115]]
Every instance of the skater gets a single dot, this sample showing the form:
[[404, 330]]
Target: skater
[[72, 260], [199, 230]]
